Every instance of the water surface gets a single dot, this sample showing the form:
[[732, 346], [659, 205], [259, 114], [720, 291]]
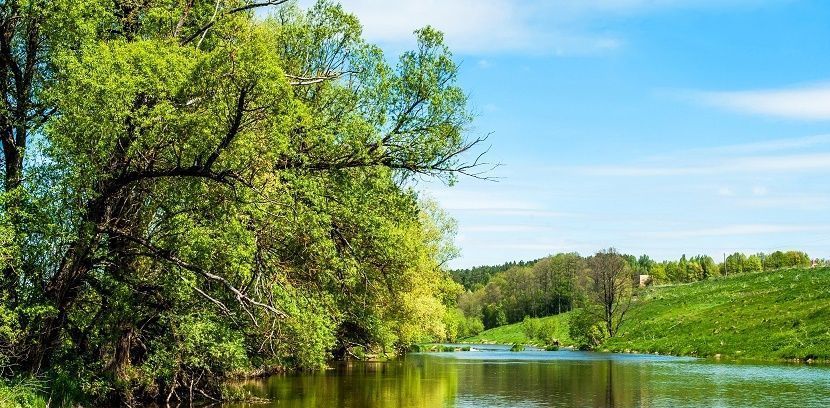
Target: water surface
[[496, 377]]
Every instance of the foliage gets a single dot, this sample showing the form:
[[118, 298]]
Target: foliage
[[460, 326], [585, 327], [557, 283], [546, 287], [788, 259], [541, 331], [608, 288], [210, 193], [494, 316], [515, 333], [517, 347], [21, 393], [478, 276]]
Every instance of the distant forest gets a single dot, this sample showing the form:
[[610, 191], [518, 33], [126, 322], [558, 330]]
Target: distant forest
[[508, 293], [480, 275]]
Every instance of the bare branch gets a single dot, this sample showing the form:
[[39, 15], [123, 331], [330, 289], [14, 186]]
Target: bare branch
[[239, 9], [233, 129], [213, 300], [304, 80], [173, 259]]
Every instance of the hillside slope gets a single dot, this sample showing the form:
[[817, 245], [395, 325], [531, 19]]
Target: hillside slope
[[770, 315], [514, 333]]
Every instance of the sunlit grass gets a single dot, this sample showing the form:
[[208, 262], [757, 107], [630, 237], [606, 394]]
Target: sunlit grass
[[767, 316], [21, 394], [514, 333]]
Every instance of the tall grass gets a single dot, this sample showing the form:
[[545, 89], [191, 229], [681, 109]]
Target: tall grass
[[21, 394], [783, 314]]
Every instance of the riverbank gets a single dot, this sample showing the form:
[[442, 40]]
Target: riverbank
[[767, 316], [515, 333]]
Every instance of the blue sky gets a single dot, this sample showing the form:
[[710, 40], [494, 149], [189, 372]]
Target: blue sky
[[654, 126]]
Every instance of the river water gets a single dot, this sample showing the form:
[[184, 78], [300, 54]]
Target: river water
[[496, 377]]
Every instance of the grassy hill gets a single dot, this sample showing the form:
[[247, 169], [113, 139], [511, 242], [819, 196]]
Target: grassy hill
[[514, 333], [760, 316], [768, 316]]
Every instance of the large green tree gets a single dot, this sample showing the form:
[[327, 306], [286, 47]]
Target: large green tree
[[211, 192]]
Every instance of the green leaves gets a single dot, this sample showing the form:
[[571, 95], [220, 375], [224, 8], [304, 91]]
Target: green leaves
[[219, 192]]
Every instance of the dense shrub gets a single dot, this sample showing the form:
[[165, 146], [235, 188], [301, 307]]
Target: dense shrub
[[585, 328], [542, 331]]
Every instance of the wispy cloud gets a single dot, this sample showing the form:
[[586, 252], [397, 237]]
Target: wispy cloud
[[788, 202], [760, 190], [766, 146], [561, 27], [476, 27], [752, 164], [806, 102], [504, 228], [641, 6], [481, 200], [543, 248], [733, 230]]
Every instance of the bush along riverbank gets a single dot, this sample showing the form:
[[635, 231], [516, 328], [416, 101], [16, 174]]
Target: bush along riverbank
[[538, 332], [22, 394]]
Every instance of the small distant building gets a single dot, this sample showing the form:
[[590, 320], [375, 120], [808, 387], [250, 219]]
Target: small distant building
[[643, 280]]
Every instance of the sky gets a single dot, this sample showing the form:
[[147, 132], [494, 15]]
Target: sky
[[663, 127]]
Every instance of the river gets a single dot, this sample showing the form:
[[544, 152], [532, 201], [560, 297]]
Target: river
[[496, 377]]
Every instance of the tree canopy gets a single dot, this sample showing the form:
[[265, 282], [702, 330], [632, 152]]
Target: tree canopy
[[192, 191]]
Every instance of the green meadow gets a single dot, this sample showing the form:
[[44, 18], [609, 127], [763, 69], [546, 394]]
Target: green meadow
[[778, 315]]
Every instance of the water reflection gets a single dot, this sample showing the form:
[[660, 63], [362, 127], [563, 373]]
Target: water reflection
[[497, 378]]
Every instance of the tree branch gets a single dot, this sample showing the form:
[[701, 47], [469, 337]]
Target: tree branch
[[239, 9], [303, 80], [173, 259]]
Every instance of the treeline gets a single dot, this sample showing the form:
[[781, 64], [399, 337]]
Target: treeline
[[479, 275], [701, 267], [561, 282]]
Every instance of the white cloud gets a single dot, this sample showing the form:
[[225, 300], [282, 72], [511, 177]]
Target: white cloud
[[725, 192], [774, 145], [472, 200], [523, 213], [733, 230], [809, 162], [789, 202], [487, 203], [561, 27], [759, 190], [640, 6], [811, 102], [504, 228]]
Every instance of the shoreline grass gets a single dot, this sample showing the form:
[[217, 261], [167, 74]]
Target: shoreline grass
[[514, 333], [21, 394]]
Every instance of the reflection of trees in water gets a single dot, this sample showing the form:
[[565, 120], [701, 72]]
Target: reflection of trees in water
[[425, 383], [430, 381], [609, 385], [435, 382]]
